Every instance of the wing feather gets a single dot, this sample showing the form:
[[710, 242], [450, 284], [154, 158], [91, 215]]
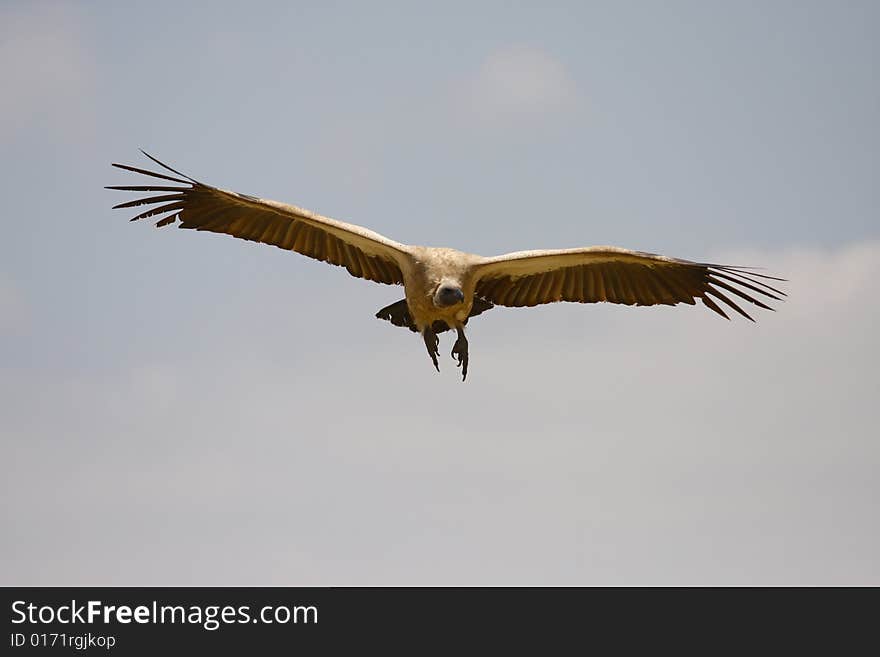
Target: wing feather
[[594, 274], [591, 288], [202, 207]]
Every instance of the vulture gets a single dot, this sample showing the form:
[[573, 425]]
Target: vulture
[[444, 287]]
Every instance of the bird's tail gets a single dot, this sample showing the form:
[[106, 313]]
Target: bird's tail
[[398, 314]]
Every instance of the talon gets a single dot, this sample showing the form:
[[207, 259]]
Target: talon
[[432, 343], [460, 352]]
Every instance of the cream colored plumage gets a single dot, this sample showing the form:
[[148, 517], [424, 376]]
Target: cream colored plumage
[[445, 287]]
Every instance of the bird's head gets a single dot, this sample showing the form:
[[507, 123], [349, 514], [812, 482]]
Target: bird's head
[[448, 293]]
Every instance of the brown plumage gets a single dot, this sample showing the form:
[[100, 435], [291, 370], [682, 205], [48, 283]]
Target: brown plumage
[[445, 287]]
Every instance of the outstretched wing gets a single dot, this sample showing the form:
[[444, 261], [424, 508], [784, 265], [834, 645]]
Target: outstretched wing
[[607, 273], [362, 252]]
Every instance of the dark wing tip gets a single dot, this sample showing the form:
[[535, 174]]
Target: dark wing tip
[[742, 282], [163, 204], [145, 172], [165, 166], [711, 305], [751, 271]]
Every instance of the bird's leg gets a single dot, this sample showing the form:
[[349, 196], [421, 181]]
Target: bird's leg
[[460, 351], [432, 343]]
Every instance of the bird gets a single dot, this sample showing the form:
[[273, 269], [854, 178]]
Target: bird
[[444, 287]]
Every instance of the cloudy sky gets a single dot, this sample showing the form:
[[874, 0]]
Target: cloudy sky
[[181, 408]]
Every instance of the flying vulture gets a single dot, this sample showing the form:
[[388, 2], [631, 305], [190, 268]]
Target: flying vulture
[[445, 287]]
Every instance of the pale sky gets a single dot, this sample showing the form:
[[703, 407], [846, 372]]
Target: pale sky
[[183, 408]]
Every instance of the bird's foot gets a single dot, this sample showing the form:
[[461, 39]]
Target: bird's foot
[[460, 351], [432, 343]]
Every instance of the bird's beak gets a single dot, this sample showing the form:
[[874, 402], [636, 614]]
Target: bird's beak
[[448, 296]]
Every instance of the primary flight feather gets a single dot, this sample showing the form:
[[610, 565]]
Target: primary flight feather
[[445, 287]]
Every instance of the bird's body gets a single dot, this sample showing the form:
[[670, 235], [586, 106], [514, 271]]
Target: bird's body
[[429, 269], [445, 287]]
